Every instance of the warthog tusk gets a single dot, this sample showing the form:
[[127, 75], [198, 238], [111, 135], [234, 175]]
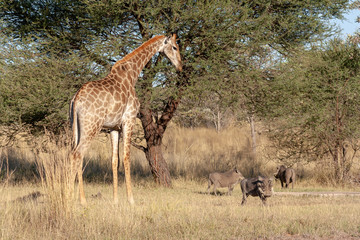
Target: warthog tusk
[[261, 192]]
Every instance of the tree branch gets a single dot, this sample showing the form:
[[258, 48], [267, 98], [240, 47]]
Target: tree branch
[[138, 146]]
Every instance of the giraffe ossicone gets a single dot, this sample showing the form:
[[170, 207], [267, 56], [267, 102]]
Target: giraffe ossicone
[[111, 103]]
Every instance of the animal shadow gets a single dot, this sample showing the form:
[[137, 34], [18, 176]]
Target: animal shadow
[[211, 193]]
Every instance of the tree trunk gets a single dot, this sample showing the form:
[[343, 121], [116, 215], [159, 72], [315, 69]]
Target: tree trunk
[[341, 161], [154, 129], [253, 136], [253, 155], [336, 161], [337, 144], [158, 165]]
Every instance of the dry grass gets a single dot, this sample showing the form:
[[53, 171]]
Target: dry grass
[[182, 212], [190, 153], [57, 177]]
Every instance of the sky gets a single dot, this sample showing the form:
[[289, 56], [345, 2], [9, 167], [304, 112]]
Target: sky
[[349, 24]]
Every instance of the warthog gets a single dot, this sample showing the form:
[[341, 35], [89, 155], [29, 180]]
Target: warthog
[[260, 186], [227, 179], [286, 175]]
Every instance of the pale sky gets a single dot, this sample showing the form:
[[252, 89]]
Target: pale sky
[[349, 24]]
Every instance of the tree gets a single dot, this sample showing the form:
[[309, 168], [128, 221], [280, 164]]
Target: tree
[[314, 103], [36, 86], [213, 36]]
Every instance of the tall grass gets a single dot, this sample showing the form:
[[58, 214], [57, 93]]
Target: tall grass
[[194, 153], [190, 153], [52, 156], [182, 212]]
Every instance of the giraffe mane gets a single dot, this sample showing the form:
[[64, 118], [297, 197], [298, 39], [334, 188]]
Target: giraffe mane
[[139, 49]]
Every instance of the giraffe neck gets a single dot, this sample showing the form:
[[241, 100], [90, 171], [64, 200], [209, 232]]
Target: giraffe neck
[[135, 61]]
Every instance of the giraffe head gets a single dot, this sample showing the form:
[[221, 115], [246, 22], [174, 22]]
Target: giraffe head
[[171, 50]]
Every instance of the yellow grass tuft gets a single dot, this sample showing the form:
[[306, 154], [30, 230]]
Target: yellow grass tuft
[[57, 177]]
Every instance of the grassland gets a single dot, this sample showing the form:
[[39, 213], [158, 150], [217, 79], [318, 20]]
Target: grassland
[[181, 212]]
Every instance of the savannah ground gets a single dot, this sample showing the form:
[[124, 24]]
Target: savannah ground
[[184, 211]]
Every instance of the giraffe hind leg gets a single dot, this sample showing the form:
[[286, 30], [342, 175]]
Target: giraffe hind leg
[[77, 165], [127, 131], [80, 147]]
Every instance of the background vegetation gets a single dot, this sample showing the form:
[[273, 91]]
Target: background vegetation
[[243, 60]]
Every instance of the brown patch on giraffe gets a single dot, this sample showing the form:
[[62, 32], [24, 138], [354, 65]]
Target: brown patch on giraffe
[[133, 74], [117, 96], [116, 77], [111, 89], [91, 98], [123, 88], [133, 111], [117, 107], [123, 98], [96, 91], [122, 68], [132, 91], [98, 104], [108, 98], [137, 58], [129, 75], [126, 84]]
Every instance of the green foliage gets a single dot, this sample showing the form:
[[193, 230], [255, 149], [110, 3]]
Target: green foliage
[[314, 102], [73, 41], [36, 86]]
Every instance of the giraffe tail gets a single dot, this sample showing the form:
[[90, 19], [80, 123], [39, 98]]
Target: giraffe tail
[[74, 125]]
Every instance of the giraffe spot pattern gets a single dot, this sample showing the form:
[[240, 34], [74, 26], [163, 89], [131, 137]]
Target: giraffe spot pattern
[[103, 103]]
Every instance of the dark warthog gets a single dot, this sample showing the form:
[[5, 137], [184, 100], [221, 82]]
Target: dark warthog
[[227, 179], [260, 186], [286, 175]]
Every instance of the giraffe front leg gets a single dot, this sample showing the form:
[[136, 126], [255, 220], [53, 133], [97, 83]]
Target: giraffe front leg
[[115, 160], [127, 131]]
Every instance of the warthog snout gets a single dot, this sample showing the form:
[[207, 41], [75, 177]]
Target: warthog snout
[[260, 186]]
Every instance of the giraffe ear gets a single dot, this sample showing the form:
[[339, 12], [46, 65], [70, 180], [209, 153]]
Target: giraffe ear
[[166, 40]]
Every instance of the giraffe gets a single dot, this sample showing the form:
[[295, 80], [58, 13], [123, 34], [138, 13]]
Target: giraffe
[[111, 103]]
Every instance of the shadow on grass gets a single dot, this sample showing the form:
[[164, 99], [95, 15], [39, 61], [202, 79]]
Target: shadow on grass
[[21, 169], [15, 168], [212, 193]]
